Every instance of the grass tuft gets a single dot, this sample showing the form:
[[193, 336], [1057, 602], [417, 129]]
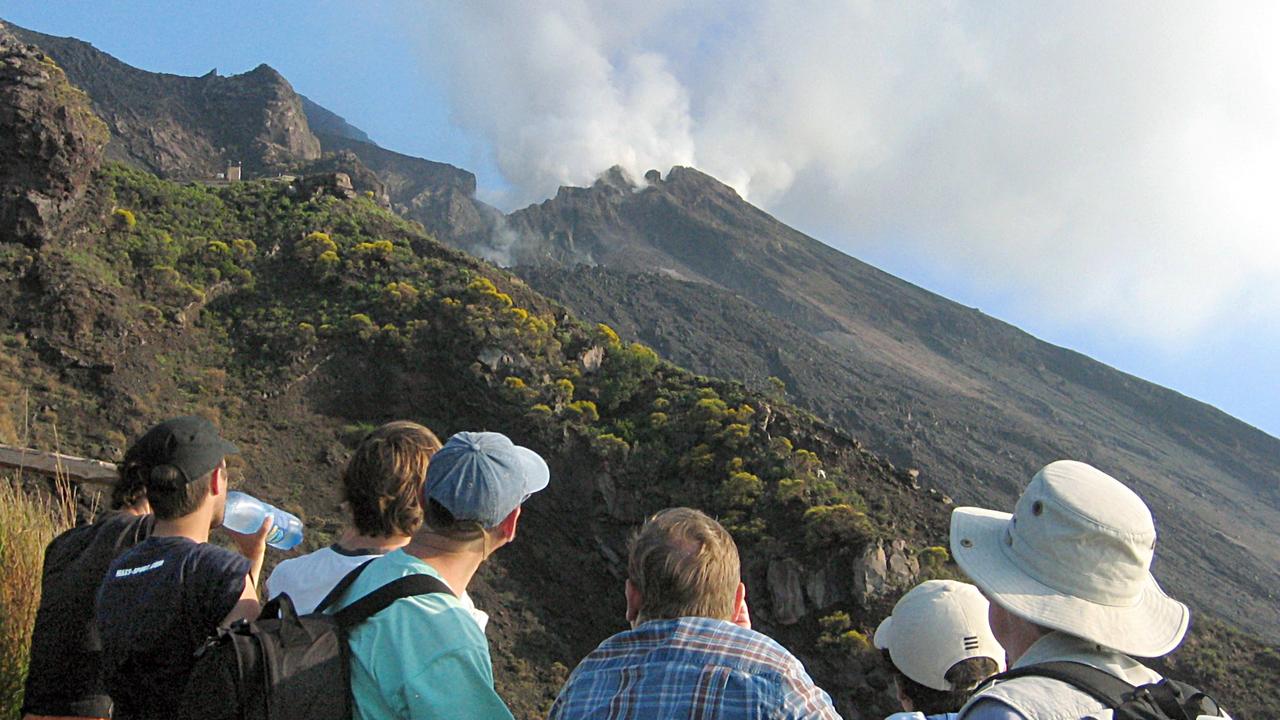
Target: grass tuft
[[27, 523]]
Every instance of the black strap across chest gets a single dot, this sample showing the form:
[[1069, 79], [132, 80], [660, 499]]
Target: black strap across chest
[[378, 600]]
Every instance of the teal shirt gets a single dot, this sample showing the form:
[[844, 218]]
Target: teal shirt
[[422, 657]]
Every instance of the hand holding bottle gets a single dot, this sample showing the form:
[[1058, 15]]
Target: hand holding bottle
[[245, 514]]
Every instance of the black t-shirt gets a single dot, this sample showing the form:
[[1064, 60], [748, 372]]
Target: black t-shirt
[[65, 676], [157, 605]]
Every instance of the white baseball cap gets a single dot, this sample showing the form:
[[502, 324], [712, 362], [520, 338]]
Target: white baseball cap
[[936, 625], [1074, 556]]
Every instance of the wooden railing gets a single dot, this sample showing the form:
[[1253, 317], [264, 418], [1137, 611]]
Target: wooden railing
[[58, 465]]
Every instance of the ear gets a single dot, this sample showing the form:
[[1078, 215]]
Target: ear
[[218, 480], [741, 616], [507, 528], [634, 601], [908, 705]]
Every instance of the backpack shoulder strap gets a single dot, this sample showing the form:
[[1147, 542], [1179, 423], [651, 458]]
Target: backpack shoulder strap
[[343, 585], [1098, 684], [376, 601]]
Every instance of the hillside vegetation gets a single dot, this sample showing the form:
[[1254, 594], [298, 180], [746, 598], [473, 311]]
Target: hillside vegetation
[[298, 321]]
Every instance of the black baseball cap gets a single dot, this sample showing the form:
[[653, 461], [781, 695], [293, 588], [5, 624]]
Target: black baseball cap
[[191, 444]]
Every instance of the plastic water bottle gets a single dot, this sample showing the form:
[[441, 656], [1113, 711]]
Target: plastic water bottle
[[245, 514]]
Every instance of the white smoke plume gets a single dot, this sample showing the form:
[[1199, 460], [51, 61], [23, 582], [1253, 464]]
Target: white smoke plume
[[1106, 163]]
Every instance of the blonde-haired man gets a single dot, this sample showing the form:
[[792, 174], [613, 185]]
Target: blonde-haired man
[[691, 651]]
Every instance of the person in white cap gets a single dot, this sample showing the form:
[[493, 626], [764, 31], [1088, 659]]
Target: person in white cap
[[1069, 578], [939, 647]]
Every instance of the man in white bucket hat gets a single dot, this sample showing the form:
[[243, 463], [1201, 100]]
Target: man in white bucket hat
[[1069, 579]]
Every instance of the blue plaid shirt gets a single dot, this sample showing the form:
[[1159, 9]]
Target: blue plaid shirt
[[690, 667]]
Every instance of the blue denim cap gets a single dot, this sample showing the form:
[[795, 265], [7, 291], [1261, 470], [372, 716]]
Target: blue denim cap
[[483, 476]]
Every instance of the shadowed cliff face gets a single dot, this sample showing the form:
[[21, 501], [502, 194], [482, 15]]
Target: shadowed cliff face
[[187, 127], [975, 404], [51, 144], [192, 127]]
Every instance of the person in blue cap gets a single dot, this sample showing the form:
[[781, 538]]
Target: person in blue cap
[[426, 655]]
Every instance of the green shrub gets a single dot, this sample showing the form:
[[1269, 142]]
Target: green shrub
[[583, 410], [741, 489], [243, 249], [836, 527], [713, 409], [125, 219], [607, 335], [377, 250], [791, 489], [934, 556], [315, 244], [735, 435], [610, 446]]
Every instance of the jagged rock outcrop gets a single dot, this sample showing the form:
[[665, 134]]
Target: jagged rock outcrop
[[784, 577], [337, 184], [50, 143], [257, 118], [359, 177], [438, 195], [878, 571], [187, 127]]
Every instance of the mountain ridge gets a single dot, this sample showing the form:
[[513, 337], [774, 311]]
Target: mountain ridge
[[973, 402]]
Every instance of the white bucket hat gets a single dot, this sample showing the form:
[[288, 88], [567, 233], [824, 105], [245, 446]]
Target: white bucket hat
[[1074, 556], [936, 625]]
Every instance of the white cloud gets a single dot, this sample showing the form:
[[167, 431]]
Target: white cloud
[[1105, 162]]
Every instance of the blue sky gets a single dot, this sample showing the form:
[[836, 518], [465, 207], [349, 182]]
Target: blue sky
[[1100, 176]]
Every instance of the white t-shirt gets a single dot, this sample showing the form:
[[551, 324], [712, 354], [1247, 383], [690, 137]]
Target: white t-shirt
[[309, 578]]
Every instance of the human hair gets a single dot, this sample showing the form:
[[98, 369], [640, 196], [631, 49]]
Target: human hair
[[683, 563], [382, 483], [131, 488], [442, 522], [170, 496], [965, 676]]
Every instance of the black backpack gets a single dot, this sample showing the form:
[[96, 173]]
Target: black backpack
[[283, 666], [1164, 700]]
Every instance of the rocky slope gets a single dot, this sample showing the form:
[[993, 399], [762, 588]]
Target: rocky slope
[[975, 404], [52, 144], [187, 127]]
